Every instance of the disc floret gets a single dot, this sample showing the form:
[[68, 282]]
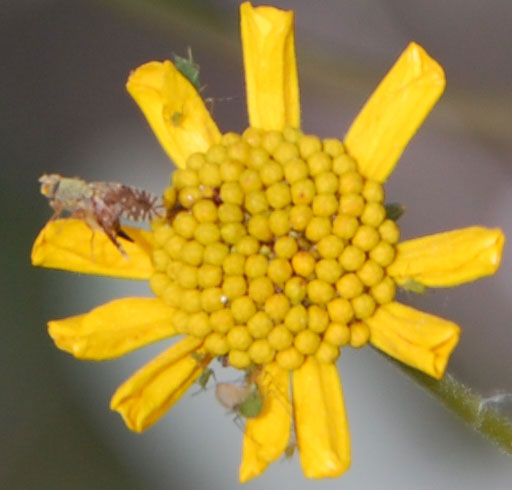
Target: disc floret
[[274, 247]]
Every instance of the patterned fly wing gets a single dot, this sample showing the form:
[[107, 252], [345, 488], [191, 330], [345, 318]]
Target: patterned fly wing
[[128, 202], [101, 205]]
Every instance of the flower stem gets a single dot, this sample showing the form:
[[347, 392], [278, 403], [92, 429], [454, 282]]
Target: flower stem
[[479, 412]]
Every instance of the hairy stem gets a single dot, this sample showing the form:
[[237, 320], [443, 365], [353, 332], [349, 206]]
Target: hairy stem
[[479, 412]]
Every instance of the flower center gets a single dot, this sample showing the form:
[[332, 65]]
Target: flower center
[[274, 247]]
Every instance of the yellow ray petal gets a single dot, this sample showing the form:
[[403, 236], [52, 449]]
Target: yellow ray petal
[[155, 388], [270, 67], [267, 435], [394, 112], [320, 420], [174, 110], [417, 339], [448, 259], [113, 329], [253, 464], [71, 245]]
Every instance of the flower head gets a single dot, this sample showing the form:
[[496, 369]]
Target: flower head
[[275, 252]]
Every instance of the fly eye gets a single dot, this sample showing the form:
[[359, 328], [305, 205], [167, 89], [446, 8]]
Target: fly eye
[[49, 189]]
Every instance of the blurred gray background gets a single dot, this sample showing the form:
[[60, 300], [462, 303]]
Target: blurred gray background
[[63, 108]]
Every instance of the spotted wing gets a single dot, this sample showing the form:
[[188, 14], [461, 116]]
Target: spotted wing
[[108, 219], [127, 201]]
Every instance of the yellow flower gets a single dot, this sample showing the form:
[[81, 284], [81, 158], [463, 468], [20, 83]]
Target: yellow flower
[[276, 252]]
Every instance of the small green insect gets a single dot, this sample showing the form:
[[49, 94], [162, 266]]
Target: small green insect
[[245, 400], [176, 118], [394, 210], [413, 286], [290, 449], [188, 68], [252, 405], [204, 379], [203, 360]]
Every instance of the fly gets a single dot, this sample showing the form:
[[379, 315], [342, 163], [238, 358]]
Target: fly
[[101, 205]]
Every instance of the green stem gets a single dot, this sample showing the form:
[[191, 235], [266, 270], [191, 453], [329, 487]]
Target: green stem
[[470, 406]]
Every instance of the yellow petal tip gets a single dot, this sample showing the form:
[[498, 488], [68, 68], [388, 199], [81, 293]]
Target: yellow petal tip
[[270, 67], [394, 112], [449, 258], [156, 387], [413, 337], [497, 249], [174, 110]]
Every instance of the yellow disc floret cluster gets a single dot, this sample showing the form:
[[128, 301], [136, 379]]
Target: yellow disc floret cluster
[[274, 247]]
